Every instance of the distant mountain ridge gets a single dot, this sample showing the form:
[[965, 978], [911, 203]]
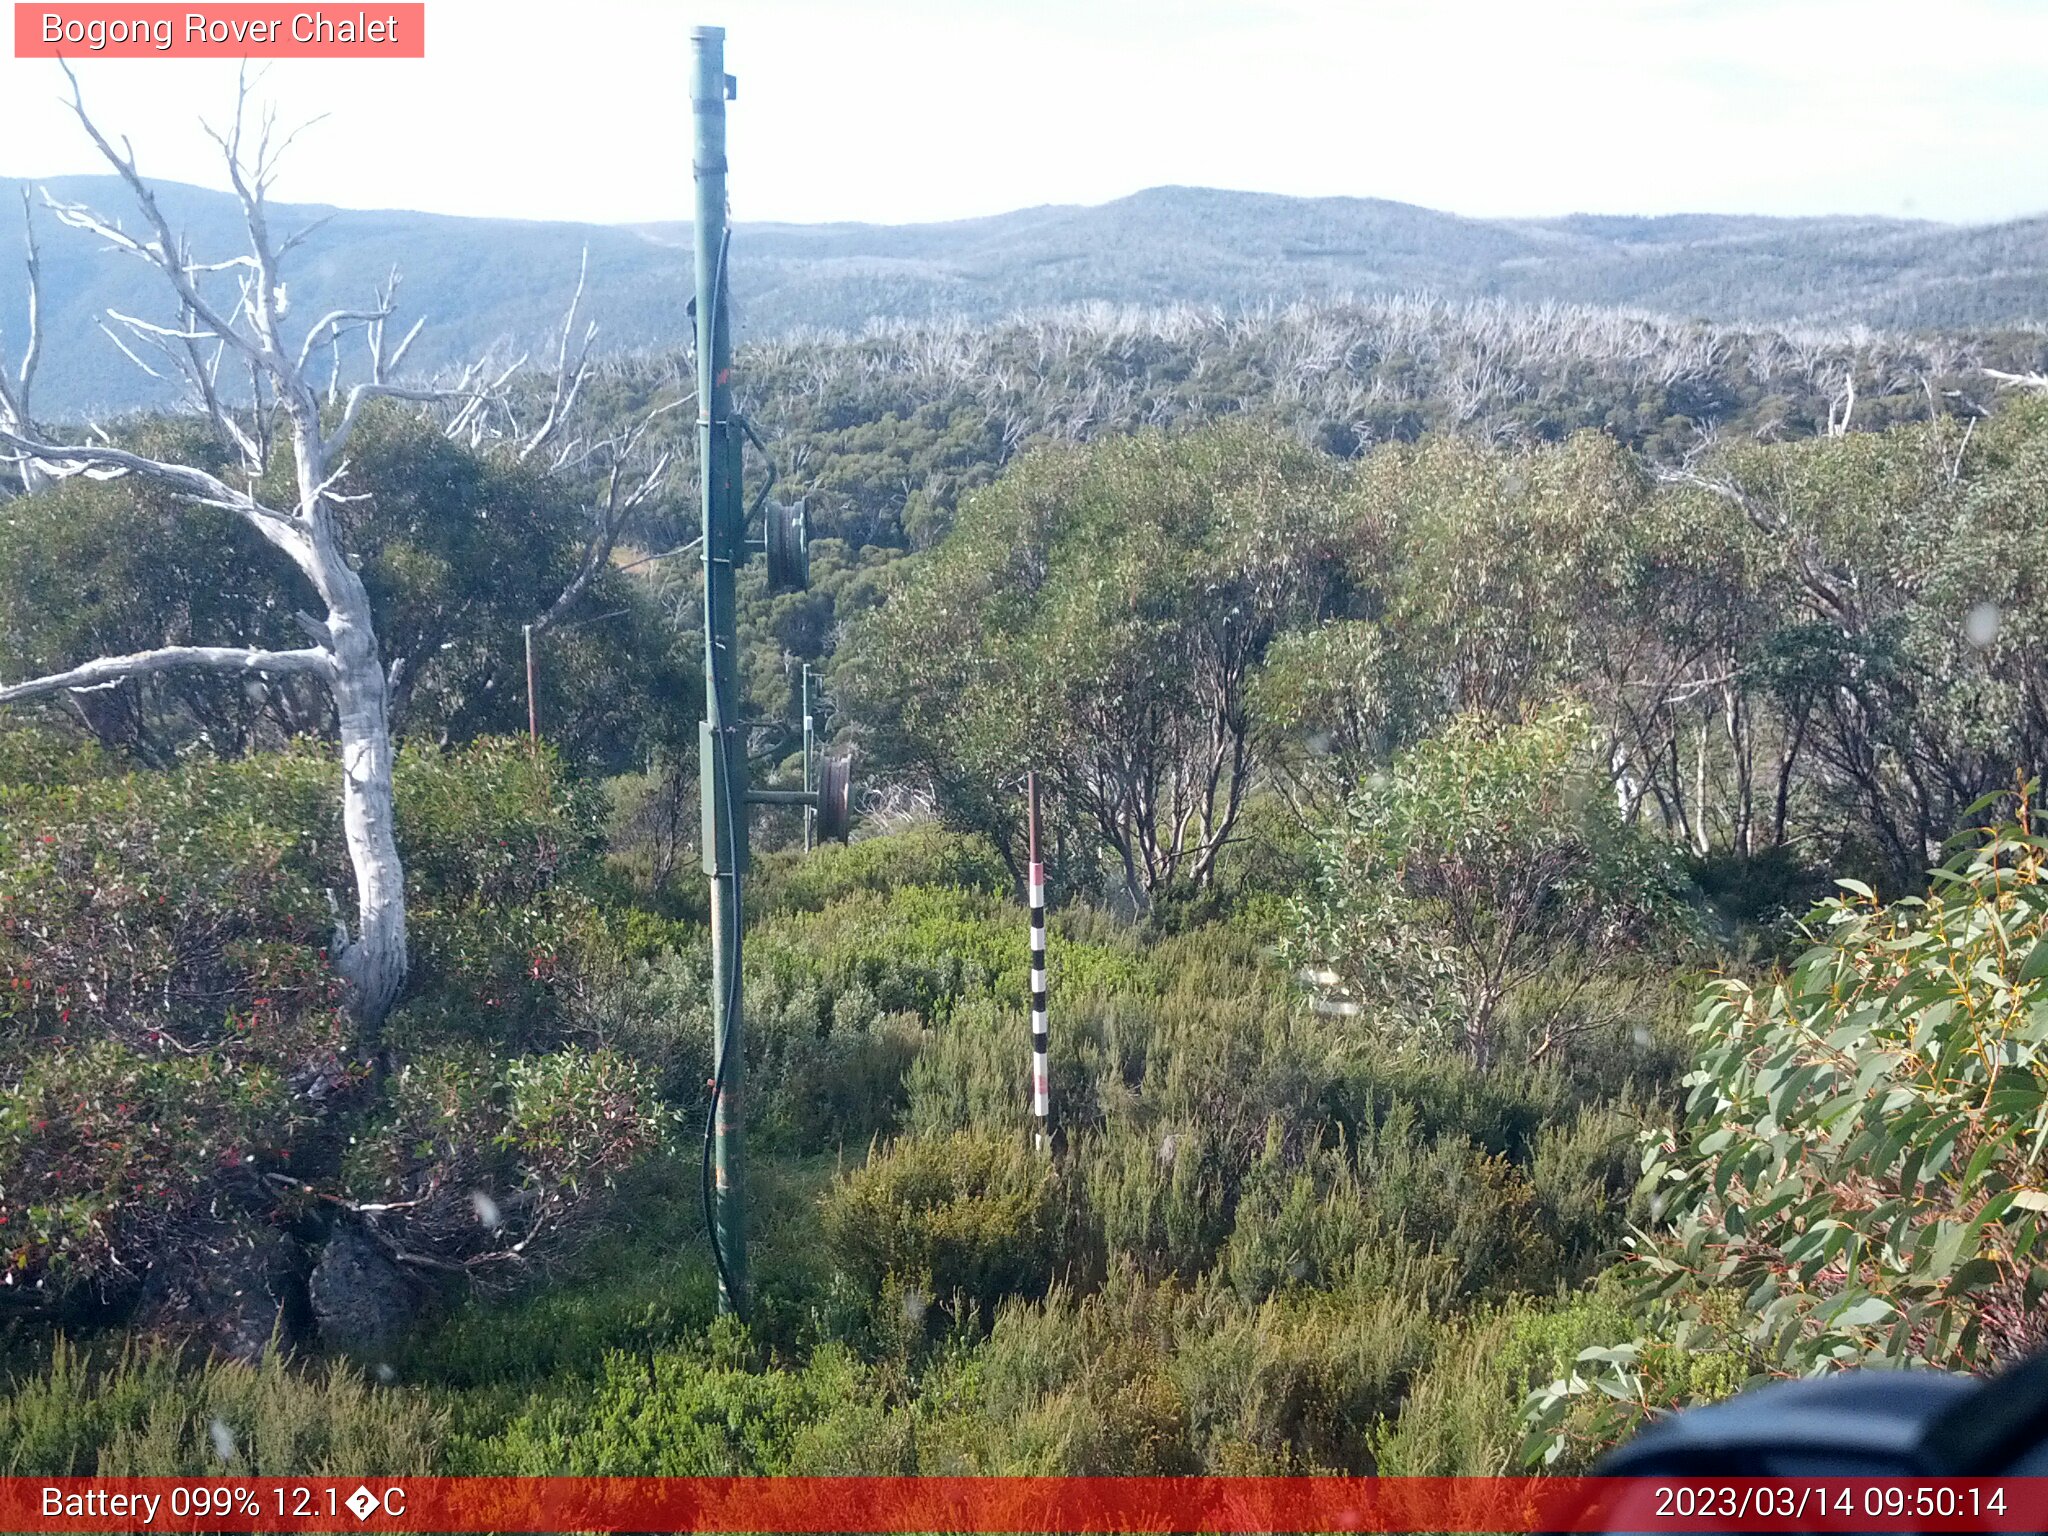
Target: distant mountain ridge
[[481, 281]]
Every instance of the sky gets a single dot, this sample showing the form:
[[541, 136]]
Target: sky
[[901, 111]]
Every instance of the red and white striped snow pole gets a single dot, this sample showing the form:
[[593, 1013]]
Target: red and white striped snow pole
[[1041, 1084]]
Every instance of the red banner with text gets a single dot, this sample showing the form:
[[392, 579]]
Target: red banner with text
[[1023, 1504]]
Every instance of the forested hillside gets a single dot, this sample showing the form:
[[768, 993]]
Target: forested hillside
[[487, 283], [1493, 758]]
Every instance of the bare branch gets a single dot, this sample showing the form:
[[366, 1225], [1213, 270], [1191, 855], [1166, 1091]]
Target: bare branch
[[14, 396], [473, 417], [1838, 424], [568, 380], [165, 254], [64, 460], [329, 326], [126, 350], [108, 670], [203, 375], [610, 517], [617, 503], [26, 379], [299, 237], [362, 393], [397, 357], [1834, 594], [167, 332]]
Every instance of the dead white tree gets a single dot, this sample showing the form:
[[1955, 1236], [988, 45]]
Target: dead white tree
[[624, 467], [248, 336], [630, 475], [2036, 381], [15, 392]]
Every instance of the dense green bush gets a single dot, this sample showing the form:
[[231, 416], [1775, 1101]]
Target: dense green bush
[[151, 1413], [174, 1044], [1242, 1258], [1273, 1236], [457, 549], [1465, 1416], [1472, 896], [1857, 1155], [903, 1004], [1853, 1180], [703, 1411], [1136, 1378], [968, 1219], [928, 855]]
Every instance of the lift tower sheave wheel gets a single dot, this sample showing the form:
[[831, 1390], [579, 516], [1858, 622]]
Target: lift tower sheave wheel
[[832, 800], [835, 798], [786, 535]]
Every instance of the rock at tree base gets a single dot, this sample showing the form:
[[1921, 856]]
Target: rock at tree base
[[362, 1300]]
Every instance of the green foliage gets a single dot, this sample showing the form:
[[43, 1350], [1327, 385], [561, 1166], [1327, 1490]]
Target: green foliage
[[1465, 1416], [871, 1006], [1163, 1380], [1857, 1155], [94, 568], [501, 851], [922, 856], [164, 995], [1096, 613], [1240, 1261], [698, 1412], [174, 1041], [1888, 611], [32, 759], [1485, 862], [1499, 574], [1330, 702], [105, 1151], [1853, 1180], [1760, 642], [1609, 1391], [969, 1220], [530, 1133], [1272, 1239], [457, 550], [150, 1413], [641, 1279]]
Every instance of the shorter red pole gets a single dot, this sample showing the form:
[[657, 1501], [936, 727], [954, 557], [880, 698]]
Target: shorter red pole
[[1041, 1077]]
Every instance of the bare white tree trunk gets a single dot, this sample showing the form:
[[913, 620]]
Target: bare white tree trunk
[[15, 392], [373, 960]]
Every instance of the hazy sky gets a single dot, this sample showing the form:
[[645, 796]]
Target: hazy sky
[[897, 110]]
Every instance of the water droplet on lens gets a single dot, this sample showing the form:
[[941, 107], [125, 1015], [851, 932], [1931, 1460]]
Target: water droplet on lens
[[1981, 624]]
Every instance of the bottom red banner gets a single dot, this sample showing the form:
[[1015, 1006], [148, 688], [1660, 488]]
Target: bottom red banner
[[1023, 1504]]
